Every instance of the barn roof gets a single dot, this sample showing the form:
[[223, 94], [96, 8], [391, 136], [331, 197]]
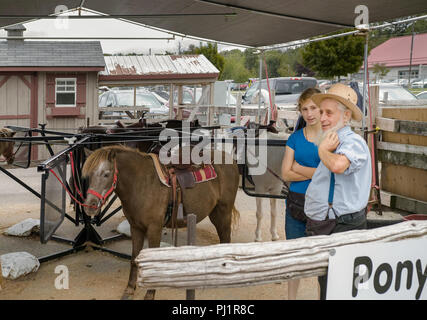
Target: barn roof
[[50, 54], [141, 67]]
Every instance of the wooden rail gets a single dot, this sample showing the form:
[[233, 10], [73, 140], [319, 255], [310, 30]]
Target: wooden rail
[[244, 264]]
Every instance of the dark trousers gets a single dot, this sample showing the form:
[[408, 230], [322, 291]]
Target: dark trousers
[[354, 221]]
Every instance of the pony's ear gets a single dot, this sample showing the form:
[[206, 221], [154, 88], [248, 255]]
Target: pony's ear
[[88, 152], [12, 133]]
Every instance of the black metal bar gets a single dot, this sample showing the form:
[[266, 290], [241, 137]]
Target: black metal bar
[[113, 238], [104, 211], [110, 215], [49, 148], [60, 239], [46, 163], [60, 254], [20, 182]]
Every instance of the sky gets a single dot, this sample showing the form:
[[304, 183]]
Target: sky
[[111, 28]]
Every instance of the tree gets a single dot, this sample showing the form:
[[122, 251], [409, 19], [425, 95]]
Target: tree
[[335, 57], [251, 60], [210, 51], [380, 70]]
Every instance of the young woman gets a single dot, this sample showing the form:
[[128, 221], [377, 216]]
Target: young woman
[[299, 163]]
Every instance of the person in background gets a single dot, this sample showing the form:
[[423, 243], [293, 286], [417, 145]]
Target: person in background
[[299, 163]]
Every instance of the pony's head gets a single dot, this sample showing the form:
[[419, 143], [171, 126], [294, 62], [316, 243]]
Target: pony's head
[[6, 147], [101, 170]]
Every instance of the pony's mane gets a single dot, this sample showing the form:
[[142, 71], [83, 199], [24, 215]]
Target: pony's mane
[[104, 154], [5, 132]]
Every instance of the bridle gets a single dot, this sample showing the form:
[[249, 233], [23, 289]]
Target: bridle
[[103, 198]]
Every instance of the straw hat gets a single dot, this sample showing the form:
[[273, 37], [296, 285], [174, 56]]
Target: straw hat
[[344, 94]]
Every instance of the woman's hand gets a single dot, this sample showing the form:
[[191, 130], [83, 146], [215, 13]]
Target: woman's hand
[[295, 167]]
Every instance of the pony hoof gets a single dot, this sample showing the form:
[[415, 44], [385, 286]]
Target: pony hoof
[[275, 238], [258, 239], [127, 296]]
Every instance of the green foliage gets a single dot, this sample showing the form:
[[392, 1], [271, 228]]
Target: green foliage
[[210, 51], [380, 70], [335, 57]]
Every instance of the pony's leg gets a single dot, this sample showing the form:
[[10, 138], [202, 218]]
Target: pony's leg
[[273, 224], [259, 214], [221, 218], [154, 235], [137, 244]]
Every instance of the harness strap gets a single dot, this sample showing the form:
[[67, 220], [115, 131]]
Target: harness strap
[[69, 193]]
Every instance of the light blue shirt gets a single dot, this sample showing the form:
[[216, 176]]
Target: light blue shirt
[[352, 188]]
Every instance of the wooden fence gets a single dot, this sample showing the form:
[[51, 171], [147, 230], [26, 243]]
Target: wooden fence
[[244, 264], [402, 151]]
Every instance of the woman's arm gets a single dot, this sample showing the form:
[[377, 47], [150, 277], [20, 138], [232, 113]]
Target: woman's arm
[[305, 171], [287, 173]]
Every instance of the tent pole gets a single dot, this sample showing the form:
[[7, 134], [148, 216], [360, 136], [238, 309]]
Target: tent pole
[[365, 79], [259, 87]]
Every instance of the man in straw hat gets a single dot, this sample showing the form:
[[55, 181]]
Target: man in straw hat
[[340, 186]]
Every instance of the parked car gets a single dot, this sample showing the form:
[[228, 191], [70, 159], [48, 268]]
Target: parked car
[[125, 98], [395, 92], [419, 83], [422, 95], [287, 89]]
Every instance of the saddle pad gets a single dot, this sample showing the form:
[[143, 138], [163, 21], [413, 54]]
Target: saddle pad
[[160, 173], [204, 174], [200, 175]]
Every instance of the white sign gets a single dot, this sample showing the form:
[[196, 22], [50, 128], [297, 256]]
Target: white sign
[[374, 271]]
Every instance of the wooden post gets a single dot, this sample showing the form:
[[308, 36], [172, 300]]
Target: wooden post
[[191, 241], [171, 89], [211, 106], [134, 102], [180, 102]]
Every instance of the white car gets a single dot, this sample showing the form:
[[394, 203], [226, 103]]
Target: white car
[[422, 95], [419, 84]]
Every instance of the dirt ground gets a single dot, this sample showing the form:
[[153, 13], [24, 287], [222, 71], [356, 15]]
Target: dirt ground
[[99, 275]]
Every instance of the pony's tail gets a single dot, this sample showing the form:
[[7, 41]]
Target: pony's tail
[[235, 217]]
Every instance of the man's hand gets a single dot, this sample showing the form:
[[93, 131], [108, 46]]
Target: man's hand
[[330, 142]]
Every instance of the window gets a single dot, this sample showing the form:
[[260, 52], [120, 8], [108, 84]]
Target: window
[[404, 74], [65, 91]]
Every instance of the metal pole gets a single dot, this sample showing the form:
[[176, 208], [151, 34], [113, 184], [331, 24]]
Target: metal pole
[[410, 56], [191, 241], [259, 87], [365, 80]]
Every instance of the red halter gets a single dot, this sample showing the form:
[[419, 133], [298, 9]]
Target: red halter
[[101, 198]]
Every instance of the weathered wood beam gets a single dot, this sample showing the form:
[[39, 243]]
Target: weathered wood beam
[[244, 264], [406, 159], [402, 126], [395, 201]]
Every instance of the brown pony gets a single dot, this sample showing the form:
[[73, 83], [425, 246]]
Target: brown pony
[[145, 199], [6, 147]]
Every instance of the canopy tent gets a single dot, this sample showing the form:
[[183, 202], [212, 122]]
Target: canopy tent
[[246, 22]]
